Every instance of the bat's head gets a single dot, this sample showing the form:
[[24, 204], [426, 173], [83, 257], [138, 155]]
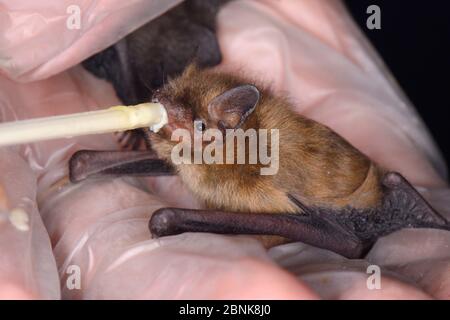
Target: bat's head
[[204, 106], [199, 100]]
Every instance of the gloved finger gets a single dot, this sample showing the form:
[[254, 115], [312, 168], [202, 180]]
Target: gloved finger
[[335, 277], [27, 266]]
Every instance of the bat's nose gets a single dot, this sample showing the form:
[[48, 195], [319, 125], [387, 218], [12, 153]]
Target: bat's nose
[[178, 115]]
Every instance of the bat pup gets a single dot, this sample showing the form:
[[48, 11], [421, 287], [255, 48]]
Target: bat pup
[[316, 187]]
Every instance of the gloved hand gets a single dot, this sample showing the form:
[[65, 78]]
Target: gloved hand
[[312, 51]]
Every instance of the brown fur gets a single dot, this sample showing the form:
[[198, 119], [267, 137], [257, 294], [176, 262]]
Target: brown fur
[[316, 165]]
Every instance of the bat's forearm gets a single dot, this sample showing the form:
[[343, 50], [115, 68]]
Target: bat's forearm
[[306, 228]]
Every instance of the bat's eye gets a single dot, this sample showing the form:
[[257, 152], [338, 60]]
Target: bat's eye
[[199, 125]]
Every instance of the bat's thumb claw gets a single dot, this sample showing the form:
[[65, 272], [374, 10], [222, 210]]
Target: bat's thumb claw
[[393, 180]]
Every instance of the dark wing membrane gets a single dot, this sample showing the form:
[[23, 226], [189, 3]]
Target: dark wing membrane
[[88, 163], [144, 60], [347, 231], [402, 207]]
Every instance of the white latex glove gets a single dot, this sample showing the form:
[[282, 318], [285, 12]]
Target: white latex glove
[[308, 49]]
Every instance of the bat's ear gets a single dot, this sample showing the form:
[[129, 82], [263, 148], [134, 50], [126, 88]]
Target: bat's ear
[[231, 108]]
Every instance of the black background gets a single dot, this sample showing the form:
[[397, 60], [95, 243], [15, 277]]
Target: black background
[[414, 42], [76, 309]]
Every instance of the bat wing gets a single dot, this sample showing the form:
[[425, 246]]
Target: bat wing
[[402, 207], [348, 231], [142, 62], [89, 163]]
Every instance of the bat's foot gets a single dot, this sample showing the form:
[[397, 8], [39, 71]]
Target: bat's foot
[[403, 199], [166, 222], [402, 207]]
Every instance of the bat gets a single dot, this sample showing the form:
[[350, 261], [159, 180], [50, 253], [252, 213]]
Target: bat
[[325, 193]]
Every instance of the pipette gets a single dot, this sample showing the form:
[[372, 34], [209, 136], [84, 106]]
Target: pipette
[[113, 119]]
